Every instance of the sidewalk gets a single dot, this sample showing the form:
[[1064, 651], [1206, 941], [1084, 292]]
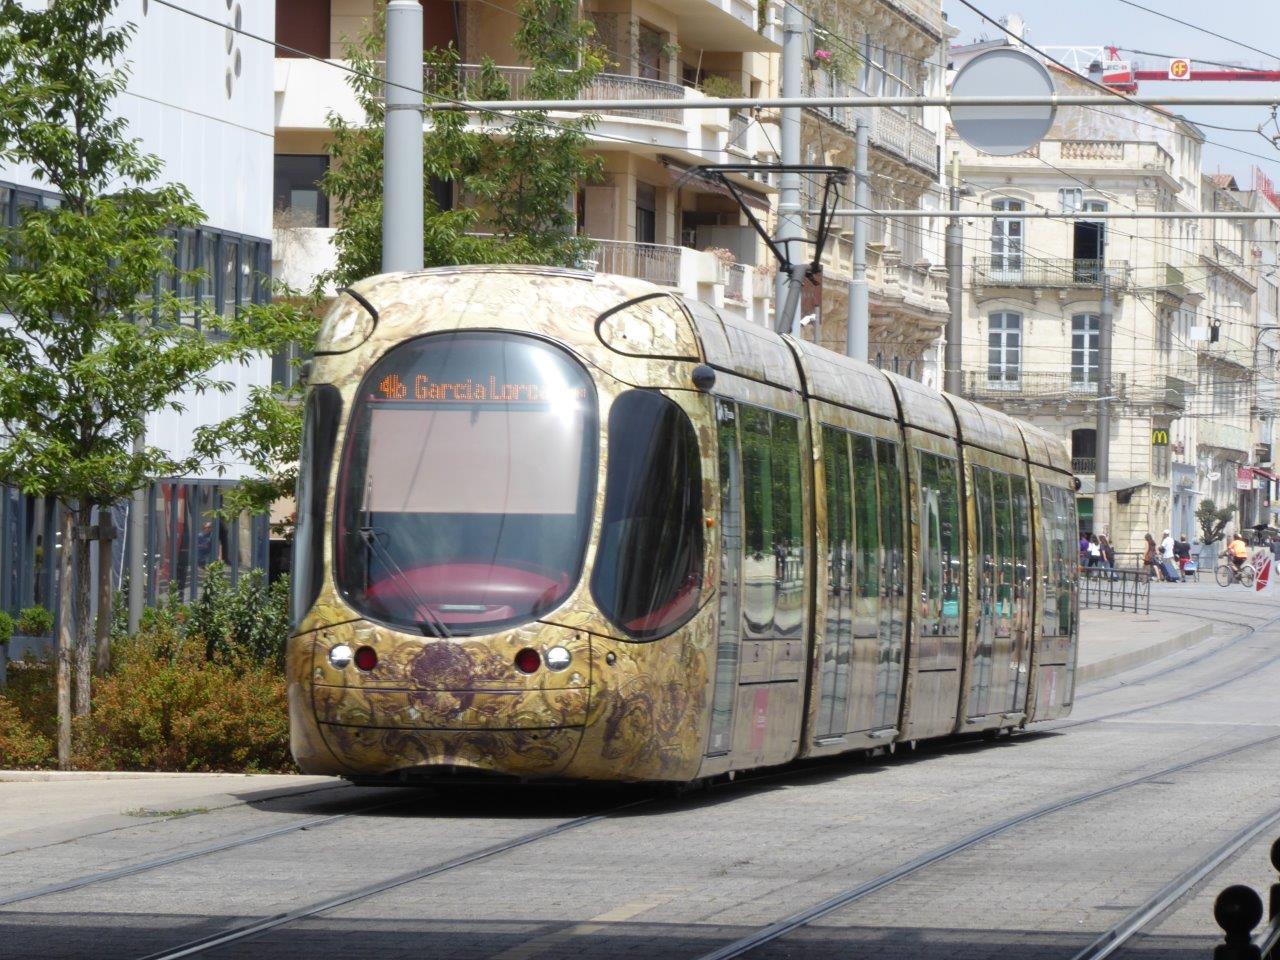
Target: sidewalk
[[1112, 642]]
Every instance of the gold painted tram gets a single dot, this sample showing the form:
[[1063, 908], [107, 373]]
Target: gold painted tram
[[560, 524]]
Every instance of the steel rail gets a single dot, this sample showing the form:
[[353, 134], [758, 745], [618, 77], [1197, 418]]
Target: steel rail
[[757, 103], [796, 920], [264, 924], [194, 854], [1115, 938]]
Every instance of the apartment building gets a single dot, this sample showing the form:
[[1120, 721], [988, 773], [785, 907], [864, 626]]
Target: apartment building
[[878, 48], [650, 217], [1034, 291], [197, 97]]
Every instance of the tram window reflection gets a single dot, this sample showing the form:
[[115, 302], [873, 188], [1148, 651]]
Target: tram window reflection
[[788, 528], [648, 569], [759, 565], [466, 490]]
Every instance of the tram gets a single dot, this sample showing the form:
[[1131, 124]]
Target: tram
[[557, 524]]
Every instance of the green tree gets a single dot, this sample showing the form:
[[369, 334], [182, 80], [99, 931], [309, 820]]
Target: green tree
[[516, 179], [1213, 520], [95, 340]]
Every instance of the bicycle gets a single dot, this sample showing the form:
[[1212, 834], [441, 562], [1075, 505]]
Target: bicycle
[[1228, 574]]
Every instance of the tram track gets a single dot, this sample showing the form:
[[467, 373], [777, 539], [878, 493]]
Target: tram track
[[802, 918]]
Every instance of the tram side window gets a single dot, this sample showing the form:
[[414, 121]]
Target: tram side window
[[1021, 541], [730, 579], [320, 426], [1057, 517], [840, 561], [892, 559], [940, 545], [867, 526], [648, 572], [759, 564], [788, 527]]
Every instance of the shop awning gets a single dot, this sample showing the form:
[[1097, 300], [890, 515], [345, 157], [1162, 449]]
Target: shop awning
[[1264, 473], [683, 175], [1089, 488]]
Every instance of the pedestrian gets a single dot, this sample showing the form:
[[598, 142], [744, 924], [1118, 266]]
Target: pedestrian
[[1166, 557], [1275, 548], [1151, 560], [1094, 550], [1108, 552], [1182, 554], [1084, 549]]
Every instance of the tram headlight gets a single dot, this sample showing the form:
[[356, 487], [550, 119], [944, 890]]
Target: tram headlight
[[558, 658], [340, 656]]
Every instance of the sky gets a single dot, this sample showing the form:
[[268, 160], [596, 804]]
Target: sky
[[1092, 23]]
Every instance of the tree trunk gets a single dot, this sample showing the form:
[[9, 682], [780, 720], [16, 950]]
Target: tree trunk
[[65, 643], [106, 595], [84, 628]]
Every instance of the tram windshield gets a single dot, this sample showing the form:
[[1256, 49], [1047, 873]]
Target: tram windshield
[[466, 485]]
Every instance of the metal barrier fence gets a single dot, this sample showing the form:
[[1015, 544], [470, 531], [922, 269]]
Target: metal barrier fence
[[1238, 909], [1104, 589]]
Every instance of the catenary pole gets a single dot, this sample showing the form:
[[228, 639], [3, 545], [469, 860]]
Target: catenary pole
[[955, 287], [790, 224], [857, 343], [1101, 475], [402, 140]]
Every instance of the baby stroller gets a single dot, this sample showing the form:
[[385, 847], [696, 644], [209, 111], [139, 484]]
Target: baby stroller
[[1191, 570]]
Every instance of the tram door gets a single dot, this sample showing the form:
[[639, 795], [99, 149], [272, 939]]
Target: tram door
[[1003, 541], [861, 673], [761, 653]]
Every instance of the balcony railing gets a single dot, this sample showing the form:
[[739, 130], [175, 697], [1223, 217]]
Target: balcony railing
[[738, 125], [735, 282], [1038, 385], [1084, 465], [606, 86], [1015, 270], [655, 262], [889, 130]]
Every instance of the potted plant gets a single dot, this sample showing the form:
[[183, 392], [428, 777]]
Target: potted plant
[[6, 634], [32, 631]]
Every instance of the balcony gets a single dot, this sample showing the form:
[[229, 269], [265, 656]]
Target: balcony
[[1084, 466], [889, 130], [1223, 436], [606, 86], [1038, 386], [1020, 271], [655, 262]]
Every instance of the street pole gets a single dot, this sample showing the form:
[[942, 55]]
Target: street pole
[[402, 140], [952, 380], [790, 224], [857, 342], [1101, 499], [137, 533]]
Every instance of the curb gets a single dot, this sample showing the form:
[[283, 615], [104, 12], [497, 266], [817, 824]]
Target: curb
[[1136, 658], [42, 776]]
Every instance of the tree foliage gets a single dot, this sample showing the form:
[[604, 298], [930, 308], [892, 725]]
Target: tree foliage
[[1213, 520], [96, 338]]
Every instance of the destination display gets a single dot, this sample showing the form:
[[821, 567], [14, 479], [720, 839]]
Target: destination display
[[421, 388]]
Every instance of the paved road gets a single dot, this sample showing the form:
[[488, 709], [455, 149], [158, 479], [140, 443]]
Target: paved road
[[681, 878]]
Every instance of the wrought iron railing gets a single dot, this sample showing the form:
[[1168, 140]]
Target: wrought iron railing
[[1238, 909], [1016, 270], [1084, 465], [1102, 588], [655, 262], [1006, 384], [605, 86], [735, 282], [738, 125]]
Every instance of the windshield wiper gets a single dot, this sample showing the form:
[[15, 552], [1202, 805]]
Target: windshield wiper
[[432, 625]]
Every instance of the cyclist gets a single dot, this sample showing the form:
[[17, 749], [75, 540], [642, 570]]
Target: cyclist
[[1238, 551]]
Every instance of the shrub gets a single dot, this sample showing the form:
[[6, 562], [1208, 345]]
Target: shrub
[[6, 628], [21, 745], [247, 623], [165, 707], [35, 622]]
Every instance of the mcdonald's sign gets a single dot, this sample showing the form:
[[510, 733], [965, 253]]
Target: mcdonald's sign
[[1159, 437]]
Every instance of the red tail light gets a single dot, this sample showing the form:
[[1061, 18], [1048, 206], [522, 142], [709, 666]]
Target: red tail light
[[366, 658], [527, 660]]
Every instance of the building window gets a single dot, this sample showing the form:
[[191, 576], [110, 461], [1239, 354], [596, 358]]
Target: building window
[[1004, 348], [649, 63], [298, 200], [1006, 237], [646, 213], [1085, 329]]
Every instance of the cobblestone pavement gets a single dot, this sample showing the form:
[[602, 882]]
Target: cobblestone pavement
[[678, 878]]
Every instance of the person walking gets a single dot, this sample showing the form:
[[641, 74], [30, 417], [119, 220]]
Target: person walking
[[1108, 554], [1094, 550], [1182, 555], [1166, 558]]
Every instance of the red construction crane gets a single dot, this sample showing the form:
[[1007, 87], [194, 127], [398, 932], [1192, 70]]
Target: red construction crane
[[1108, 66]]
